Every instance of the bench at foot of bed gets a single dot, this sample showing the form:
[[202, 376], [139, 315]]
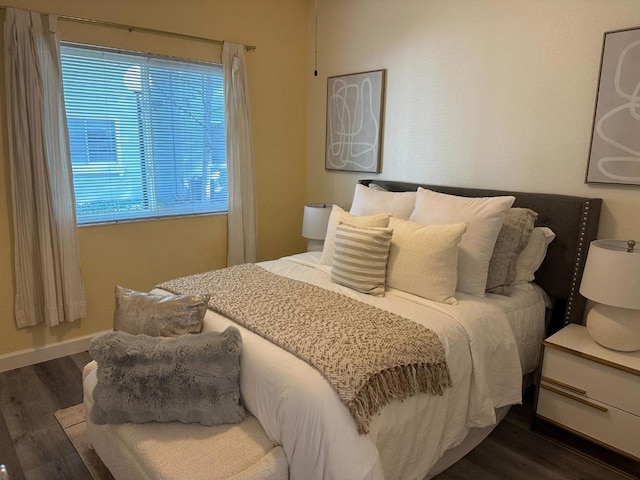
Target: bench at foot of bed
[[175, 451]]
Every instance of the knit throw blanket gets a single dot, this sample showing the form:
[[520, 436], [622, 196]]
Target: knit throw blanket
[[368, 355]]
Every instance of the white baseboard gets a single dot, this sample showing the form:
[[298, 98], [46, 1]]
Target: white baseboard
[[31, 356]]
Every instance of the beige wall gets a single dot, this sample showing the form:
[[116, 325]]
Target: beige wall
[[481, 93], [139, 255]]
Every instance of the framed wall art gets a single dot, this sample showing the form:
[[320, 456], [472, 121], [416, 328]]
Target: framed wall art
[[355, 109], [614, 156]]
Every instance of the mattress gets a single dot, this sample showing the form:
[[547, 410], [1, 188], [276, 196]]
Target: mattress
[[487, 343], [525, 309]]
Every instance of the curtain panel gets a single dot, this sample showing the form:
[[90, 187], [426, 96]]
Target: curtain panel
[[241, 220], [48, 284]]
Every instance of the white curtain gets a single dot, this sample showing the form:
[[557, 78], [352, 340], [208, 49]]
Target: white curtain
[[241, 223], [48, 285]]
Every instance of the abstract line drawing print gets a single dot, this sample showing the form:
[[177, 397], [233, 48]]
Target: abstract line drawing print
[[354, 106], [615, 147]]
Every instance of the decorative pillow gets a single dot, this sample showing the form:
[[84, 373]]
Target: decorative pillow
[[337, 215], [533, 254], [369, 201], [158, 315], [375, 186], [360, 258], [423, 260], [512, 238], [485, 217], [189, 379]]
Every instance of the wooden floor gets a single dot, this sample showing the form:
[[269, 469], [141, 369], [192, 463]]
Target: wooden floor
[[32, 444], [34, 447]]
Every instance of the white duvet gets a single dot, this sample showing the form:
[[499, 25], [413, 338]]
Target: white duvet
[[300, 411]]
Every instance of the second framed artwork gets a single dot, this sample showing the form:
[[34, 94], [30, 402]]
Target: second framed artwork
[[614, 156], [355, 111]]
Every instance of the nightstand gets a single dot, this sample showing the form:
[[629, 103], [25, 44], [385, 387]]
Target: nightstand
[[591, 391]]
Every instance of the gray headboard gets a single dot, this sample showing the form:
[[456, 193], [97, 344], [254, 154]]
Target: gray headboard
[[575, 223]]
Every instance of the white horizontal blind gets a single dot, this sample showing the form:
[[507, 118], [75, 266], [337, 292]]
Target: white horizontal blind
[[147, 135]]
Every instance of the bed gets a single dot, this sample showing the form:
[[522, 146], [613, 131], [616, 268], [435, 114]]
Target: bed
[[490, 343]]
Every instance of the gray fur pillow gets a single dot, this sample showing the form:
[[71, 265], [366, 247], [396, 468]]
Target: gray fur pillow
[[158, 315], [512, 238], [189, 379]]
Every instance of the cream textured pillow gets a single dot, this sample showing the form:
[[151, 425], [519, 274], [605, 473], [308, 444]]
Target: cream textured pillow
[[513, 237], [423, 260], [372, 201], [360, 258], [337, 215], [158, 315], [485, 217], [533, 254]]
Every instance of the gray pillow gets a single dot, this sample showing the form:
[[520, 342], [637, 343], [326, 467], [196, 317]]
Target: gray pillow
[[512, 238], [189, 379], [158, 315]]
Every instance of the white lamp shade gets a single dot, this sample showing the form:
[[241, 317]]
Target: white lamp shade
[[315, 220], [612, 274]]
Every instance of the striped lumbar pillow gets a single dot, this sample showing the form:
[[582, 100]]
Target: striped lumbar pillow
[[360, 258]]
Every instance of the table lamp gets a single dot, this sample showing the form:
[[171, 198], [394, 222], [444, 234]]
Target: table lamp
[[314, 224], [612, 279]]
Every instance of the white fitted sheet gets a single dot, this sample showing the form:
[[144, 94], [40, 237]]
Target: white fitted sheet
[[526, 309], [300, 411]]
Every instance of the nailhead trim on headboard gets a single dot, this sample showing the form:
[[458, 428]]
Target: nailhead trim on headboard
[[578, 264]]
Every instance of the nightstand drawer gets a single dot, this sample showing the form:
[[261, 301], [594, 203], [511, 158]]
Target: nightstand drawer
[[598, 382], [613, 427]]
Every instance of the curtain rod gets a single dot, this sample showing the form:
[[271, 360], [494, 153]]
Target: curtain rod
[[133, 28]]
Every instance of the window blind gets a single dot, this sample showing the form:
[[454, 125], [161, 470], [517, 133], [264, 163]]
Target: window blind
[[146, 134]]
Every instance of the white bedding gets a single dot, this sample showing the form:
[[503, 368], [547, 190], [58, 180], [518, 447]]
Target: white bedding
[[300, 411]]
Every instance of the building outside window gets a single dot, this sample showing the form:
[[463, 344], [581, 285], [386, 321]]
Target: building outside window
[[147, 135]]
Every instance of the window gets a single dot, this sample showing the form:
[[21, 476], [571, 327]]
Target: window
[[146, 134]]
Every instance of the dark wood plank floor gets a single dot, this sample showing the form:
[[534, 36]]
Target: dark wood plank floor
[[34, 447], [32, 444]]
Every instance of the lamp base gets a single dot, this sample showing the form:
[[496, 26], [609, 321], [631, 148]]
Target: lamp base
[[615, 328]]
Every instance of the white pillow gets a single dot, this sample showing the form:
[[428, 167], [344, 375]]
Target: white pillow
[[337, 215], [370, 201], [485, 217], [533, 254], [360, 258], [423, 260]]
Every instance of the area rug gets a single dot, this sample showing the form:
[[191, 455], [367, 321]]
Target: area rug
[[73, 423]]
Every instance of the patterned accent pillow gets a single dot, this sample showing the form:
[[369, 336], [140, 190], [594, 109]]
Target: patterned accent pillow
[[158, 315], [338, 215], [424, 260], [513, 237], [360, 258]]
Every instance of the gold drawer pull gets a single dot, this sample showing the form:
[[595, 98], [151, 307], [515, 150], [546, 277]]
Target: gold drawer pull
[[573, 397], [564, 385]]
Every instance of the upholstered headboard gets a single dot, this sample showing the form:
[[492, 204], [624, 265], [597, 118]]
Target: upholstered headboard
[[575, 223]]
